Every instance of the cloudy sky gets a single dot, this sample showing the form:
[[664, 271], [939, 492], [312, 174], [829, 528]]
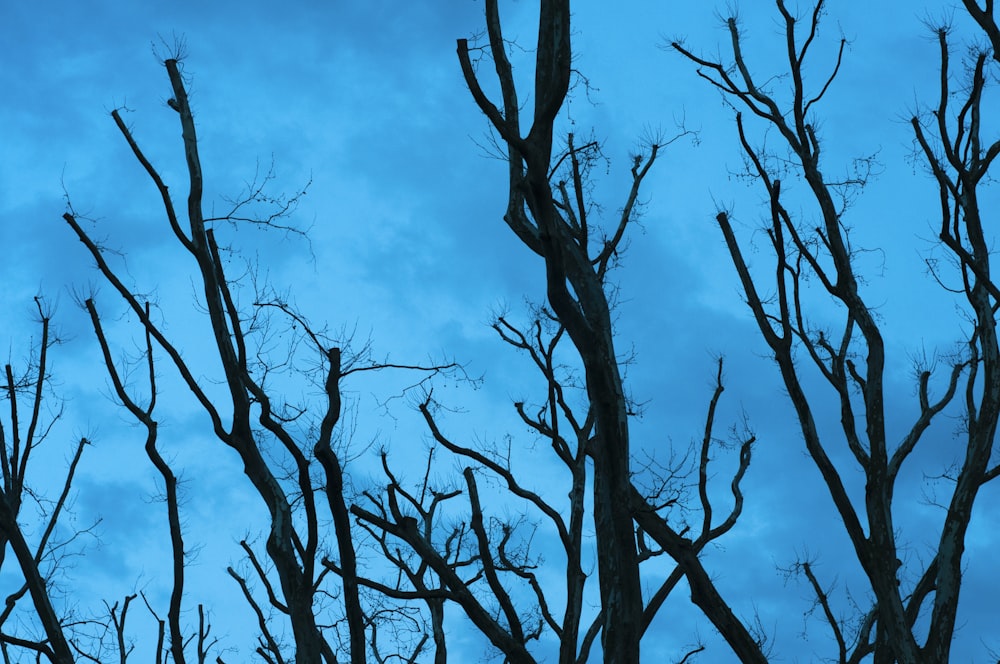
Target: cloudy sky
[[406, 247]]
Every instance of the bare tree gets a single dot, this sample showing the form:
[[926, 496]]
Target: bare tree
[[485, 564], [288, 458], [171, 627], [959, 158], [294, 541], [71, 636], [552, 216], [575, 285], [26, 429], [851, 356], [685, 550], [478, 558], [442, 546]]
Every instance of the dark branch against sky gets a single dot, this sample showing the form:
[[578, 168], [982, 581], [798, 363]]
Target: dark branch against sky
[[366, 102]]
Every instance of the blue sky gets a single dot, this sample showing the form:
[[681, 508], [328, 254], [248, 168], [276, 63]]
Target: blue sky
[[407, 246]]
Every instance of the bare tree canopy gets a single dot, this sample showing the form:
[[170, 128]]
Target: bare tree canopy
[[269, 438]]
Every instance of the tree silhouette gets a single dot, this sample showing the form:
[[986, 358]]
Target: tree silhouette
[[470, 540]]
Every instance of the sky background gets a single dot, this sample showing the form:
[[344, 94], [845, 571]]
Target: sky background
[[407, 248]]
